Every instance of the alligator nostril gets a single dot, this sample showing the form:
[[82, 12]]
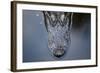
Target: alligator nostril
[[58, 52]]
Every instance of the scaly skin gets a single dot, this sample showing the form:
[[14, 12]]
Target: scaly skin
[[58, 25]]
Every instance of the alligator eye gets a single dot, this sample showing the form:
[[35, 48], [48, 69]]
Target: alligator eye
[[53, 17], [62, 17]]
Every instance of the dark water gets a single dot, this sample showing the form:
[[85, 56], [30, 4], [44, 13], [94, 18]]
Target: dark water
[[35, 38]]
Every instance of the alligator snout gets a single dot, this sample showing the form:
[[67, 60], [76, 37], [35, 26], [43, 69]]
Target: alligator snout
[[58, 52]]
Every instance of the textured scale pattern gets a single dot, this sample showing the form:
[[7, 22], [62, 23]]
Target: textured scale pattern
[[58, 25]]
